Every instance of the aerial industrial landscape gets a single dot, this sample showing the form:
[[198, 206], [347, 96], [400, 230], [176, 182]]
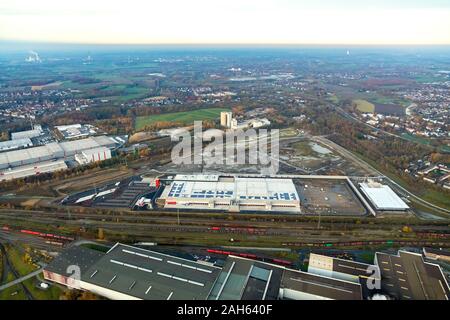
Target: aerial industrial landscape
[[149, 171], [97, 186]]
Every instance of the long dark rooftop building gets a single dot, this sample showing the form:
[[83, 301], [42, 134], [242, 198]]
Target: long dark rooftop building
[[128, 272], [407, 276]]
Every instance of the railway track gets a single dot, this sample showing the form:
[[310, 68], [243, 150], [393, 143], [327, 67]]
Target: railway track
[[315, 238], [16, 275], [196, 224], [151, 217]]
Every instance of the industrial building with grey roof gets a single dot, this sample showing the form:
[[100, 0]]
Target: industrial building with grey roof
[[129, 272], [15, 144], [406, 276], [52, 151]]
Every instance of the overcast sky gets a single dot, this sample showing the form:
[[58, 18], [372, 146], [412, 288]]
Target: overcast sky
[[227, 21]]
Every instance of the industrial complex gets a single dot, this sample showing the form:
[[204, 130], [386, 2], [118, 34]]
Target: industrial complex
[[22, 157], [227, 121], [129, 272], [332, 195], [289, 194]]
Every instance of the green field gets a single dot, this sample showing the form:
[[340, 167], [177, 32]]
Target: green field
[[184, 117], [364, 106], [12, 293], [52, 293], [334, 98], [97, 247], [424, 141], [16, 292]]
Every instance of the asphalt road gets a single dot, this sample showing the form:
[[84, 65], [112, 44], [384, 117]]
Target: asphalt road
[[21, 279]]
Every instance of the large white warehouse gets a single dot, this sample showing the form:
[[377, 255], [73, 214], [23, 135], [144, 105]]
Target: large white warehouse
[[93, 155], [231, 193], [15, 144], [35, 132], [382, 197], [53, 151], [33, 169]]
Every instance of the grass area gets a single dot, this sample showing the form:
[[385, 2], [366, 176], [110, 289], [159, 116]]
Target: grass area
[[416, 139], [312, 149], [419, 206], [97, 247], [185, 117], [131, 93], [51, 293], [334, 98], [12, 293], [49, 85], [437, 197], [303, 148], [423, 141], [291, 255], [288, 132], [364, 105], [120, 90], [430, 78], [366, 256], [16, 258], [1, 266]]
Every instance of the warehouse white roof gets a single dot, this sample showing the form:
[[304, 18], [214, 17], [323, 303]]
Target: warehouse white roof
[[69, 126], [382, 196], [104, 141], [32, 169], [88, 143], [26, 134], [53, 150], [197, 177], [239, 189], [4, 158], [78, 145], [11, 144], [92, 151]]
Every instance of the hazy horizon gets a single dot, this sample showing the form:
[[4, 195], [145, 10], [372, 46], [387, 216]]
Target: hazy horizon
[[8, 45], [251, 22]]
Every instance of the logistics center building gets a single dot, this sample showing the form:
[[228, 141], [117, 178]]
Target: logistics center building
[[53, 151], [231, 193], [382, 197], [129, 272]]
